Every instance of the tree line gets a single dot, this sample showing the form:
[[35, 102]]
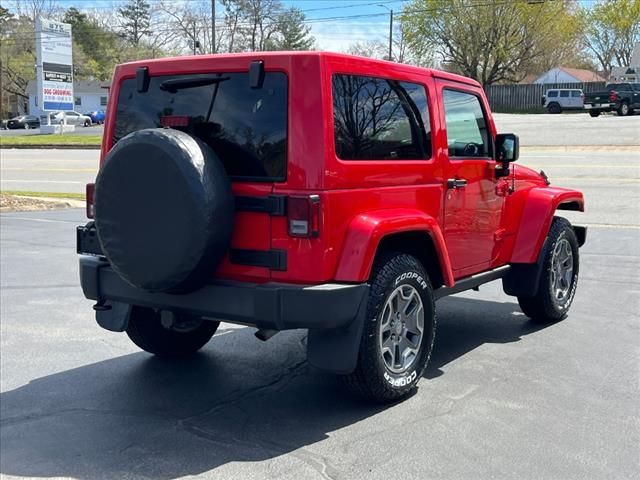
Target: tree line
[[489, 40]]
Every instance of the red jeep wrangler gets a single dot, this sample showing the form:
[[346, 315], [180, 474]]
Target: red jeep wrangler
[[319, 191]]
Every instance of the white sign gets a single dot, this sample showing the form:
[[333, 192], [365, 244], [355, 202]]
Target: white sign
[[54, 65]]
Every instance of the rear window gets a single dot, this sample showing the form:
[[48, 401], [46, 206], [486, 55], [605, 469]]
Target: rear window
[[245, 127], [619, 86], [576, 93]]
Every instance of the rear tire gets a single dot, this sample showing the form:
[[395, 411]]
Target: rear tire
[[398, 335], [182, 339], [594, 114], [559, 278]]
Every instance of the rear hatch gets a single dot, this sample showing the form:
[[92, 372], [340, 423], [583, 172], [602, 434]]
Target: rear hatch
[[246, 126]]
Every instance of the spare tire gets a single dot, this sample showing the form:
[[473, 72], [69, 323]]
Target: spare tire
[[163, 210]]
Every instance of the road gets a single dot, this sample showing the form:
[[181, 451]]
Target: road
[[502, 398], [601, 172]]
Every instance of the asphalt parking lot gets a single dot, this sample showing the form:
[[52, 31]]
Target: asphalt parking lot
[[501, 399]]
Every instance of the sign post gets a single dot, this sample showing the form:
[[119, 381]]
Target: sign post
[[54, 66]]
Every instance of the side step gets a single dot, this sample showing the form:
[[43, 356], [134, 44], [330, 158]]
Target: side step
[[474, 281]]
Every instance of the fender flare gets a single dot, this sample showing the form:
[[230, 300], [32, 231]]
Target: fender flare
[[366, 231], [539, 207]]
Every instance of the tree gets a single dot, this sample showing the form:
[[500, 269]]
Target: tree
[[369, 48], [135, 20], [489, 41], [17, 61], [292, 33], [611, 29]]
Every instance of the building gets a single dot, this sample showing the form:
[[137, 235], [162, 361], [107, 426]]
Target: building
[[568, 75], [88, 96], [630, 73]]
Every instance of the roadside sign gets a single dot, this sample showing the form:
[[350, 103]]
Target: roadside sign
[[54, 65]]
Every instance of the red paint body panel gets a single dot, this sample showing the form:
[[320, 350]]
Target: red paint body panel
[[539, 207], [482, 226]]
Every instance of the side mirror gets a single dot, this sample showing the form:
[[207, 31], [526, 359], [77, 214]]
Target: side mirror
[[507, 148]]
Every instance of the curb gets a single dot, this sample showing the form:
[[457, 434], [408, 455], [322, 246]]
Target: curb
[[49, 147], [581, 148]]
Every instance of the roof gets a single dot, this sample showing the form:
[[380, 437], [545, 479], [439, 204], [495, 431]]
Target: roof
[[79, 87], [583, 75], [189, 59]]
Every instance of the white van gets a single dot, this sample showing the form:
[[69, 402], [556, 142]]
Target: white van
[[558, 99]]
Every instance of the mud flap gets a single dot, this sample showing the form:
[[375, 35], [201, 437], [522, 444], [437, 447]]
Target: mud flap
[[336, 350], [113, 316]]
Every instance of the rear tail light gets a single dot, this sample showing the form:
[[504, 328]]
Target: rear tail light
[[172, 121], [89, 197], [613, 96], [303, 215]]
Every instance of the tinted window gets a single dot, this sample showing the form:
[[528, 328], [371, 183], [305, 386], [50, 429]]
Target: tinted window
[[552, 93], [378, 119], [575, 93], [564, 93], [619, 86], [247, 128], [467, 129]]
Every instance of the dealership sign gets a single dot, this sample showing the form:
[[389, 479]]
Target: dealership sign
[[54, 65]]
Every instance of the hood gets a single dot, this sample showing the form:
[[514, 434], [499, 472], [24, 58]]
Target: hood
[[530, 175]]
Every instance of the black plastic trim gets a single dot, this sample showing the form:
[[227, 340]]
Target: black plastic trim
[[274, 205], [473, 281], [274, 306], [271, 259]]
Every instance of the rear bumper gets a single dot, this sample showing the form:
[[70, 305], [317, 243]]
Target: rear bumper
[[599, 107], [274, 306]]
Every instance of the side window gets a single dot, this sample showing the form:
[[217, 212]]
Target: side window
[[77, 101], [564, 93], [552, 93], [379, 119], [467, 129], [575, 93]]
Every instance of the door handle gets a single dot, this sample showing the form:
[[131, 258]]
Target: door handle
[[455, 183]]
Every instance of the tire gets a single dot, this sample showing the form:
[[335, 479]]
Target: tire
[[623, 109], [594, 114], [164, 193], [554, 108], [394, 277], [555, 295], [148, 333], [87, 123]]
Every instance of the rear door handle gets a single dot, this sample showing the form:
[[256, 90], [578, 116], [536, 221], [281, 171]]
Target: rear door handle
[[455, 183]]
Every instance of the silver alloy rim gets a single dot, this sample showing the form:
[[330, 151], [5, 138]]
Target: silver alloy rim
[[561, 270], [625, 109], [401, 328]]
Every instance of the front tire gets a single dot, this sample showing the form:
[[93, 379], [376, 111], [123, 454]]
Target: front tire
[[624, 110], [399, 331], [182, 339], [554, 108], [559, 278]]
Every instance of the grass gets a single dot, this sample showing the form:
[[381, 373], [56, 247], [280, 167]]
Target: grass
[[26, 193], [51, 140]]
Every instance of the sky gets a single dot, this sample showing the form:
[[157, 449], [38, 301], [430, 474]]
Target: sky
[[335, 34], [335, 24]]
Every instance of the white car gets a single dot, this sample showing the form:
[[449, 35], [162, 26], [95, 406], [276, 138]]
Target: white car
[[558, 99], [72, 118]]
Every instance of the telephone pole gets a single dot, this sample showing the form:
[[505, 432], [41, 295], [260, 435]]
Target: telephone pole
[[213, 26], [390, 31]]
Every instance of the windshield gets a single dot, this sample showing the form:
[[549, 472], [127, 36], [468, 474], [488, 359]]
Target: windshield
[[245, 127]]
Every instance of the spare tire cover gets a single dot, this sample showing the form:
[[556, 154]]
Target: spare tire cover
[[163, 210]]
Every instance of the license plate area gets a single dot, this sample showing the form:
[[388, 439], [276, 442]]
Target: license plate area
[[87, 240]]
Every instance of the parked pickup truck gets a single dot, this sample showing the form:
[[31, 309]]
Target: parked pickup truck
[[316, 191], [622, 98]]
